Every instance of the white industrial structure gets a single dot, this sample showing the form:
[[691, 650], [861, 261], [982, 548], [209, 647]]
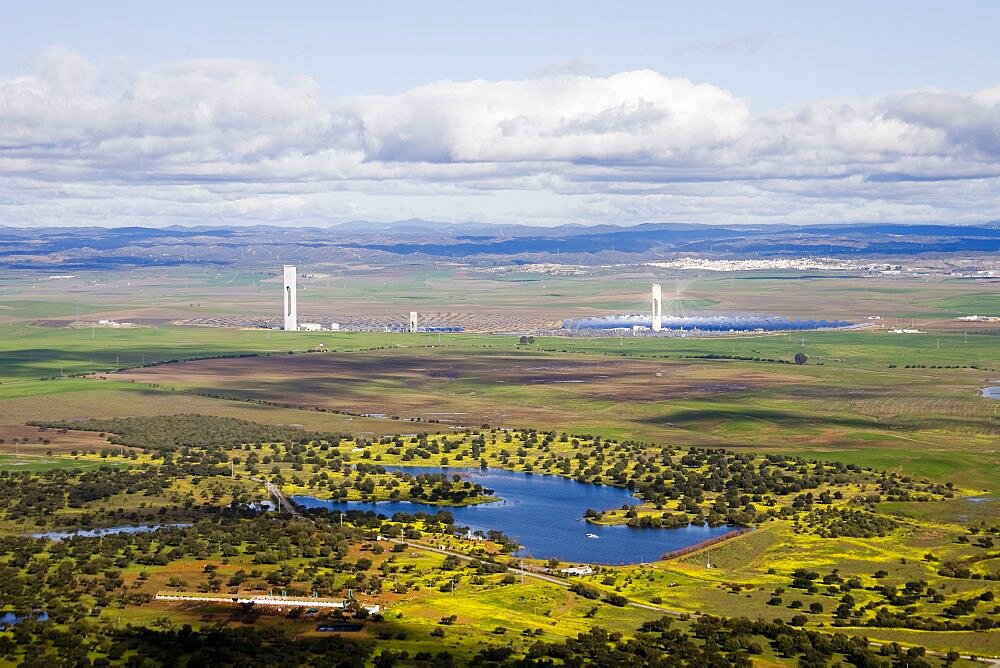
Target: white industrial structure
[[291, 306], [413, 321], [657, 308], [260, 599]]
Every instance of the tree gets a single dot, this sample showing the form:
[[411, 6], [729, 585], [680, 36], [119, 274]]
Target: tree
[[801, 358]]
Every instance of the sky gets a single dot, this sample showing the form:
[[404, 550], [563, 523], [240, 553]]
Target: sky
[[538, 113]]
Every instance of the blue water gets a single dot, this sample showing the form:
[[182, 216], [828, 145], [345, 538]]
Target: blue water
[[991, 392], [12, 618], [544, 514], [92, 533]]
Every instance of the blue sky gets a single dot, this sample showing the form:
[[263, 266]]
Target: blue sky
[[119, 113]]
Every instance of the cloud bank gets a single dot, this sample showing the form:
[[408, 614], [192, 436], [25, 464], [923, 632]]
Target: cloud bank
[[221, 141]]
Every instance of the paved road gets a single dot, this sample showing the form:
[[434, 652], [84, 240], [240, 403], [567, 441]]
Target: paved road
[[284, 505], [562, 582]]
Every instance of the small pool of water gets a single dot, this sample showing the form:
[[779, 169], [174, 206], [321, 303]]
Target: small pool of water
[[340, 628], [13, 618], [992, 392], [544, 514], [108, 531]]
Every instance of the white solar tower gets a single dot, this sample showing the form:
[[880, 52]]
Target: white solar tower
[[291, 306], [657, 308]]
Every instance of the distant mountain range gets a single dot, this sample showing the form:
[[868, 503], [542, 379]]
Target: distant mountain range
[[659, 240], [78, 249]]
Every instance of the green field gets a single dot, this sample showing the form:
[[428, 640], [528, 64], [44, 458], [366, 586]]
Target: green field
[[905, 404], [33, 463]]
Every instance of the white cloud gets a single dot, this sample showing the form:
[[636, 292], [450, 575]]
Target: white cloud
[[229, 141], [970, 121], [193, 112], [927, 134], [627, 116]]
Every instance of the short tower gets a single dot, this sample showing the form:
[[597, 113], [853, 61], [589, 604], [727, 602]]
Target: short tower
[[413, 321]]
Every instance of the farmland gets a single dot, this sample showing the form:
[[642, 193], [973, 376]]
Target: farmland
[[203, 414], [859, 404]]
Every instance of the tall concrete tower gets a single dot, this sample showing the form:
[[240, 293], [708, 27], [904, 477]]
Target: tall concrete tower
[[413, 321], [657, 308], [291, 307]]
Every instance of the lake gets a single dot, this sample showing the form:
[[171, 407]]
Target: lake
[[544, 514], [93, 533]]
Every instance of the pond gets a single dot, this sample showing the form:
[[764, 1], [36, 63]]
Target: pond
[[992, 392], [340, 628], [12, 618], [544, 514], [93, 533]]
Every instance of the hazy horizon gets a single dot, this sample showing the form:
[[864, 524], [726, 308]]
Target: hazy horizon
[[473, 224]]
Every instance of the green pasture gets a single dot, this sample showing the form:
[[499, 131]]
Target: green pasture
[[35, 463], [975, 471], [71, 398], [815, 292], [23, 308], [970, 511], [841, 348], [848, 402], [27, 351], [977, 304]]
